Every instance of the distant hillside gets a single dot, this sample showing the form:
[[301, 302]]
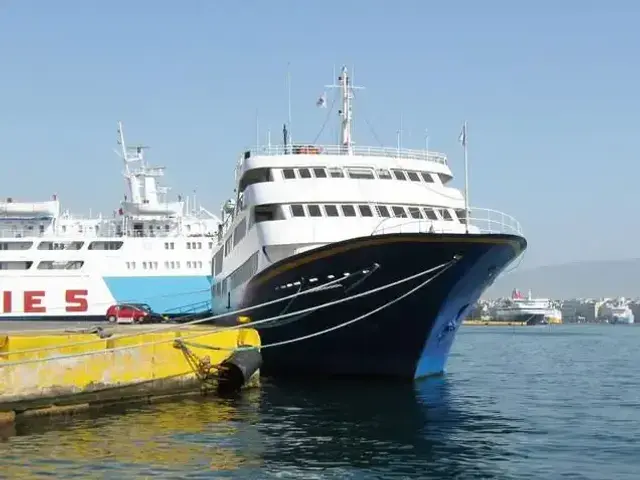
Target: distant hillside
[[584, 279]]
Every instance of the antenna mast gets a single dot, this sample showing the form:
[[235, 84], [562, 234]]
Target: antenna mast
[[123, 146], [346, 113]]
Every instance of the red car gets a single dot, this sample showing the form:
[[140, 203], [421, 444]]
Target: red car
[[132, 313]]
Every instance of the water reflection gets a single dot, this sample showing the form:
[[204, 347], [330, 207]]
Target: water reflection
[[337, 429], [390, 430]]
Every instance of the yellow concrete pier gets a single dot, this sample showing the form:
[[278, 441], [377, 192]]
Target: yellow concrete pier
[[44, 372]]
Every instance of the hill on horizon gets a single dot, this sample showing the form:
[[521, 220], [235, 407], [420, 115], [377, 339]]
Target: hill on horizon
[[595, 279]]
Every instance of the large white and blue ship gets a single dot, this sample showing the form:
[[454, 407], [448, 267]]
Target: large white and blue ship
[[320, 223], [58, 266]]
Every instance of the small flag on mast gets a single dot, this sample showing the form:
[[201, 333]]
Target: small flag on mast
[[463, 135], [322, 101]]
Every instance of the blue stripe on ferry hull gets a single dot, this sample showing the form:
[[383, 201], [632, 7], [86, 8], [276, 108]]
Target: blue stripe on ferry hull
[[410, 338], [166, 294]]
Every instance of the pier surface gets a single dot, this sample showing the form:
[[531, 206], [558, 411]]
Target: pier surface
[[51, 365]]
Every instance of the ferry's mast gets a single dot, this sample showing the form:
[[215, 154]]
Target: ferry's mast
[[346, 113]]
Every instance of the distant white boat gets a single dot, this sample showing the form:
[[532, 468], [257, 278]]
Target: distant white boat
[[532, 311], [617, 312]]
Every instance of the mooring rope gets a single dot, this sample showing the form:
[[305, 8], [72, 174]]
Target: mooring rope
[[185, 324], [446, 266]]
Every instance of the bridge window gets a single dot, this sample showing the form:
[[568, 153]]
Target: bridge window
[[445, 214], [304, 173], [348, 211], [320, 173], [332, 210], [365, 210], [360, 173], [426, 177], [399, 174], [383, 211], [297, 211], [314, 211], [413, 176], [288, 173], [105, 245], [399, 212], [336, 173], [384, 174], [430, 214], [414, 212]]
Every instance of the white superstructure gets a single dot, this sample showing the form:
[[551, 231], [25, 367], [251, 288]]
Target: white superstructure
[[151, 250], [293, 197], [617, 311], [528, 309]]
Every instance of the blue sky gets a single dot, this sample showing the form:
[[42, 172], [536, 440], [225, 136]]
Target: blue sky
[[549, 89]]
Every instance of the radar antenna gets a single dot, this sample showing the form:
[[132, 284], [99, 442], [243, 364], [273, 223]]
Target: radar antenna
[[346, 112]]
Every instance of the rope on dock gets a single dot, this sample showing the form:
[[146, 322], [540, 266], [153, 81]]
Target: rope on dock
[[443, 267], [174, 326]]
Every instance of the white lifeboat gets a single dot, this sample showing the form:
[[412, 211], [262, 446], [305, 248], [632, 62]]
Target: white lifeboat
[[48, 209]]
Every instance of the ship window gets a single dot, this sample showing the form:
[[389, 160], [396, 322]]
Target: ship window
[[462, 215], [16, 265], [365, 210], [217, 262], [288, 173], [445, 214], [426, 177], [314, 211], [332, 210], [319, 173], [304, 173], [51, 265], [413, 176], [360, 173], [188, 245], [384, 174], [297, 211], [227, 246], [60, 245], [399, 174], [399, 212], [336, 173], [244, 272], [348, 211], [105, 245], [17, 245], [414, 212], [239, 231], [383, 211], [431, 215]]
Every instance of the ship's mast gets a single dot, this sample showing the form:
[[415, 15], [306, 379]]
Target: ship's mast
[[346, 113]]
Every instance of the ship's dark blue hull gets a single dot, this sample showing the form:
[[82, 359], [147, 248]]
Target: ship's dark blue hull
[[410, 338]]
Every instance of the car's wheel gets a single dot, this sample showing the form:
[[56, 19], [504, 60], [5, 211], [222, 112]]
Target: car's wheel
[[112, 319]]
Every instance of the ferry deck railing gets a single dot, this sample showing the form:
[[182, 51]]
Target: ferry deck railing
[[413, 154], [481, 221]]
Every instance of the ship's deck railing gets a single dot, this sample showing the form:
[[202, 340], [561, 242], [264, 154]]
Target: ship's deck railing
[[481, 220], [361, 150], [101, 235]]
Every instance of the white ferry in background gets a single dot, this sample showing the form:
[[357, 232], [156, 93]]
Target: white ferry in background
[[532, 311], [319, 223], [617, 312], [57, 266]]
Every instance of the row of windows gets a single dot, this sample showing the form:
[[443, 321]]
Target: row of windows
[[362, 210], [44, 265], [173, 264], [360, 173], [71, 245], [239, 276]]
